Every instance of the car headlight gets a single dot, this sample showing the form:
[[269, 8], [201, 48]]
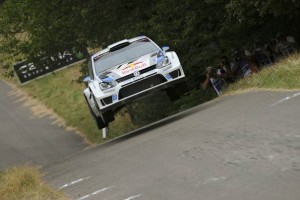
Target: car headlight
[[108, 85], [163, 62]]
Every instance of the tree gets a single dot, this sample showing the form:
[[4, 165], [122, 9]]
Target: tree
[[199, 31]]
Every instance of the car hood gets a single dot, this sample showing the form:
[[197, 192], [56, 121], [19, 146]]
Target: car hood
[[128, 68]]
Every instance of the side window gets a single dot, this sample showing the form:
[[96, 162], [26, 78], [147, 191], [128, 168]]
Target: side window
[[90, 67]]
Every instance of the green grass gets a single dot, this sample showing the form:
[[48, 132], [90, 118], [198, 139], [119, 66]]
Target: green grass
[[62, 94], [23, 183], [284, 75]]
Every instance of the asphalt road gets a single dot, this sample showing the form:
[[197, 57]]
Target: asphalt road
[[236, 147], [26, 139]]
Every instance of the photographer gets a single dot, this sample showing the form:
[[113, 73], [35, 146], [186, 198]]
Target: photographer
[[216, 79]]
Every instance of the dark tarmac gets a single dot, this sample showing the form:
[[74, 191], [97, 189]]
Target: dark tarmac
[[26, 139], [236, 147], [245, 146]]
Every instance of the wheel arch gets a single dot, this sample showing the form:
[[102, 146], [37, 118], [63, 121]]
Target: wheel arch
[[91, 101]]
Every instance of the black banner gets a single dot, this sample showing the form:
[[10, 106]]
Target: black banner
[[27, 71]]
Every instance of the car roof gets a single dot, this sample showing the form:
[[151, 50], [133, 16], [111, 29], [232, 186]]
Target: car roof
[[118, 43]]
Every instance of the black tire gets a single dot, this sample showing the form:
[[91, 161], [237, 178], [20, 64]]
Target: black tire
[[176, 91], [108, 116], [99, 122], [173, 94], [182, 88]]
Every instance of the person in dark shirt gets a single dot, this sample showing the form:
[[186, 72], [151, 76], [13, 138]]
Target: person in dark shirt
[[273, 51], [215, 78], [261, 55], [227, 69], [286, 45]]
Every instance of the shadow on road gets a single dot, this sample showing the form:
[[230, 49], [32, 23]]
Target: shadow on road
[[162, 122]]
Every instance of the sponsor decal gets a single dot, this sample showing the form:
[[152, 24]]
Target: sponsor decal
[[133, 67], [136, 74], [114, 98], [169, 77]]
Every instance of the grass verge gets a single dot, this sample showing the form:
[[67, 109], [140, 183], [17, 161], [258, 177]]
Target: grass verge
[[23, 183], [284, 75]]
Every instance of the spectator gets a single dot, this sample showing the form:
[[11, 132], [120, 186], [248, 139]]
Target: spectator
[[216, 79], [273, 50], [244, 65], [227, 69], [261, 55], [286, 45], [292, 42], [250, 60]]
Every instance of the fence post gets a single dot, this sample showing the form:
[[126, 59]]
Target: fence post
[[104, 133]]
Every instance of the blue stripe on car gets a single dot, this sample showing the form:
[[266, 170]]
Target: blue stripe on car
[[107, 79], [160, 56]]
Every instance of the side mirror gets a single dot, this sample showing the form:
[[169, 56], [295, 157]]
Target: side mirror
[[165, 48], [86, 80]]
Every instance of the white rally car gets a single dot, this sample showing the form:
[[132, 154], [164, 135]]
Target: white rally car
[[126, 71]]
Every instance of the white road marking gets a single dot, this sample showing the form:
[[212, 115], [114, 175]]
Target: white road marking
[[286, 99], [209, 180], [73, 182], [94, 193], [297, 94], [133, 197]]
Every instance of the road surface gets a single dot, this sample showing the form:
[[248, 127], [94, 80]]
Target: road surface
[[26, 139], [245, 146]]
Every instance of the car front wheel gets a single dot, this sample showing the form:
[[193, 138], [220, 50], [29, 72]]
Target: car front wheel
[[99, 122]]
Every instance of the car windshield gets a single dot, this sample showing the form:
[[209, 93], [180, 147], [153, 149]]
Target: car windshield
[[128, 53]]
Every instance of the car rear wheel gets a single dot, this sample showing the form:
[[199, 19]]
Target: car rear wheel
[[173, 94], [176, 91], [108, 116]]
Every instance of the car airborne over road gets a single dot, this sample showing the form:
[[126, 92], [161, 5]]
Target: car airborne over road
[[129, 70]]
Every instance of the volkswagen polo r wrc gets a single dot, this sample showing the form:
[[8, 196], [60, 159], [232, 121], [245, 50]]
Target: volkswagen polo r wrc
[[129, 70]]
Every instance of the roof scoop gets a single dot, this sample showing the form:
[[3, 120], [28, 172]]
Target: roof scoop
[[118, 45]]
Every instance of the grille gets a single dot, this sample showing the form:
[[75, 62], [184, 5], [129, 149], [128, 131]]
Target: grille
[[148, 69], [140, 86], [175, 74], [106, 101]]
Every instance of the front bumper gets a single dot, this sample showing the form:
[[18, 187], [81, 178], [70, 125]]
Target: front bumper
[[136, 90]]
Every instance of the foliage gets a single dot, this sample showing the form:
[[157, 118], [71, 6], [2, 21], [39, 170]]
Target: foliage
[[150, 109], [199, 31], [22, 183]]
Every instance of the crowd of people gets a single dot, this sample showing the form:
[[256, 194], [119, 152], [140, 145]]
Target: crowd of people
[[246, 62]]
